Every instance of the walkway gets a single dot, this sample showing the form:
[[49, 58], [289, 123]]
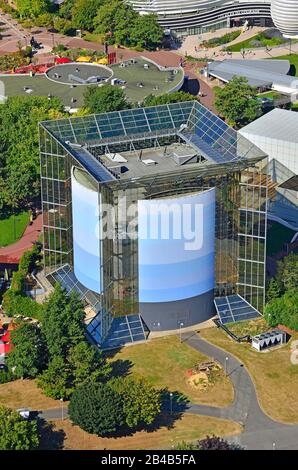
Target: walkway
[[260, 431], [11, 254]]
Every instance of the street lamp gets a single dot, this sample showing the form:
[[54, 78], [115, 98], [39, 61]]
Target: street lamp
[[171, 403], [181, 325], [226, 365], [62, 417]]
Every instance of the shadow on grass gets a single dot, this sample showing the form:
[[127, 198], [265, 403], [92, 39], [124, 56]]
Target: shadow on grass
[[50, 438]]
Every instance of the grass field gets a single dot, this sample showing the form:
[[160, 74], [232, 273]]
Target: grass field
[[25, 393], [12, 228], [293, 58], [276, 378], [187, 428], [277, 235], [164, 362], [270, 94]]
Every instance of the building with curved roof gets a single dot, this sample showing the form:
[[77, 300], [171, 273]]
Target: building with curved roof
[[285, 17], [195, 16]]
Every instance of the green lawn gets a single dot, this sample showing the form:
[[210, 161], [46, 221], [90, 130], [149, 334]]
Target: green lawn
[[250, 43], [12, 228], [277, 235], [164, 363], [293, 58]]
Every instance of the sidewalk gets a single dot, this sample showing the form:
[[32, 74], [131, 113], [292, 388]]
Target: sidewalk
[[13, 253]]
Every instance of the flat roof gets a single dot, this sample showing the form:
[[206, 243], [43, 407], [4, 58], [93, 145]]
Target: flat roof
[[278, 124], [192, 131], [259, 73]]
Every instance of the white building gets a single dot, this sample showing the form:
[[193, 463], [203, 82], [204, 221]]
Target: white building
[[276, 133]]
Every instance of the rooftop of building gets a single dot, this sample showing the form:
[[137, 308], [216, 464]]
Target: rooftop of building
[[259, 73], [278, 124], [141, 142]]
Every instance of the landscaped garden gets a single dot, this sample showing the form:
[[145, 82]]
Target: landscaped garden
[[221, 40], [269, 38], [13, 227]]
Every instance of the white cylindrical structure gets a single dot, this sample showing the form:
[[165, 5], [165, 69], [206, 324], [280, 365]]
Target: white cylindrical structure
[[85, 227], [285, 17]]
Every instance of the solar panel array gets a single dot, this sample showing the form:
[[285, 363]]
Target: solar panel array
[[234, 308], [222, 143]]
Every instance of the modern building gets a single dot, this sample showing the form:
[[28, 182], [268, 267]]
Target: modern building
[[285, 17], [276, 134], [199, 16], [155, 216]]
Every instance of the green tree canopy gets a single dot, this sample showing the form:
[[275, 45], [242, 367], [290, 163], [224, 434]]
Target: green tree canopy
[[176, 97], [83, 13], [146, 32], [104, 99], [237, 102], [287, 272], [283, 310], [55, 381], [87, 364], [28, 356], [62, 324], [32, 8], [19, 151], [141, 402], [115, 18], [17, 433], [96, 408]]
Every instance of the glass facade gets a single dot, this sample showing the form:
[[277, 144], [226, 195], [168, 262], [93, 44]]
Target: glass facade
[[240, 188]]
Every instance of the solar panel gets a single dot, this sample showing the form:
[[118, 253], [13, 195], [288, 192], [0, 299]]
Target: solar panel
[[234, 308]]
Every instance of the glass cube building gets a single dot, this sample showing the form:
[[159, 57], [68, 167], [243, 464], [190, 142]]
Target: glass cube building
[[156, 216]]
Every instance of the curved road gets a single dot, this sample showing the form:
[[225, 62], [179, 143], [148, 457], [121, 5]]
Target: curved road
[[260, 431]]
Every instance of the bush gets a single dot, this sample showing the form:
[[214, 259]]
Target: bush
[[97, 409], [225, 39], [6, 376]]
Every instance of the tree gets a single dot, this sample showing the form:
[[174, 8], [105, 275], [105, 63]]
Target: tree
[[29, 353], [17, 433], [146, 32], [105, 99], [65, 9], [274, 290], [283, 310], [63, 322], [83, 13], [87, 364], [176, 97], [19, 150], [115, 19], [55, 380], [97, 409], [141, 402], [32, 8], [237, 102], [287, 272]]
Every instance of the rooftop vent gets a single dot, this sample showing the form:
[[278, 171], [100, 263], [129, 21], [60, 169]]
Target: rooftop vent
[[149, 162]]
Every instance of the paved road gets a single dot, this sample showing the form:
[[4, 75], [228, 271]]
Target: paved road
[[260, 431]]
